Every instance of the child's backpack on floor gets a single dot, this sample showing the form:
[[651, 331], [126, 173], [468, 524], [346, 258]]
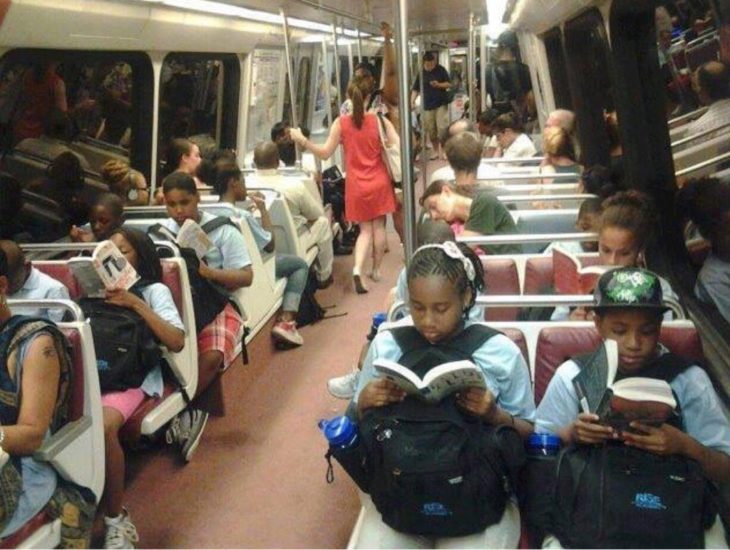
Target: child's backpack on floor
[[310, 311], [614, 496], [434, 470], [126, 348]]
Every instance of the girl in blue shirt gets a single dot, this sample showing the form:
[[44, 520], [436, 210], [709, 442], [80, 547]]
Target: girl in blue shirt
[[443, 282]]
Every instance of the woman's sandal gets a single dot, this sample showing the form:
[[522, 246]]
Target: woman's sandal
[[359, 287]]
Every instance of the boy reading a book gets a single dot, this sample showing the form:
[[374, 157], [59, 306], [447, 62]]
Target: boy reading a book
[[630, 311]]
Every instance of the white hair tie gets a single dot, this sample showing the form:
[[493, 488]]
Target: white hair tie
[[452, 250]]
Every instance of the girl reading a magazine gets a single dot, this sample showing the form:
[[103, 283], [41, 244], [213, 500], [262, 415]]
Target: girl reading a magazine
[[153, 302], [443, 282]]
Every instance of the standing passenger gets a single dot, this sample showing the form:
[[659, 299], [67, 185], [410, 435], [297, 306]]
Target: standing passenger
[[436, 82], [368, 190]]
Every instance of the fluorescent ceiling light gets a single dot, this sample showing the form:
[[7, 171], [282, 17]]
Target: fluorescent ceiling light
[[495, 13]]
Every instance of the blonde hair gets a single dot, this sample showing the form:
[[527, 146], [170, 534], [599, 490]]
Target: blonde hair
[[556, 142], [120, 177]]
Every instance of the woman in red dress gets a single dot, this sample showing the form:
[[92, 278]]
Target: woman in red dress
[[369, 192]]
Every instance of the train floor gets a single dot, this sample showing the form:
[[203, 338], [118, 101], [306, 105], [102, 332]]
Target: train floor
[[258, 477]]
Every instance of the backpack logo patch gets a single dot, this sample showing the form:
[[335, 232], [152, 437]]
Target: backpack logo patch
[[435, 509], [647, 501]]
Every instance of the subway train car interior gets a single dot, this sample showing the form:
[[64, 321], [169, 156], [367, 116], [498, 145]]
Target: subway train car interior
[[365, 274]]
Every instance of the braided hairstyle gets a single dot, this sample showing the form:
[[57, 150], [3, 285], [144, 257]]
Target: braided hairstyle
[[427, 262]]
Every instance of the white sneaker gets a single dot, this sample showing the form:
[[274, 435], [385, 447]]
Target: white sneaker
[[344, 387], [186, 429], [120, 531]]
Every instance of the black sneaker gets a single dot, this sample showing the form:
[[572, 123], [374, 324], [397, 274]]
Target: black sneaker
[[186, 429]]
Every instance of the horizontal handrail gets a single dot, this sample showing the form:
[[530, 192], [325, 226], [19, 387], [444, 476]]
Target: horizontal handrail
[[502, 160], [567, 178], [522, 239], [704, 164], [531, 187], [698, 135], [681, 120], [68, 305], [538, 197], [74, 247]]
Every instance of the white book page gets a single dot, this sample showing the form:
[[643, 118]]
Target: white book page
[[451, 377], [404, 377], [192, 236]]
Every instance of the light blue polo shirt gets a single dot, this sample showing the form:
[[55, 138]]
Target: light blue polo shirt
[[702, 414], [505, 372], [261, 236], [39, 286], [229, 249]]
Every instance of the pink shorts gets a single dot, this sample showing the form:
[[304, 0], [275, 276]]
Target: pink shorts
[[126, 402]]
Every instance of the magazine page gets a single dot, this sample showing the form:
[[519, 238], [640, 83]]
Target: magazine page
[[112, 267], [191, 235], [85, 273]]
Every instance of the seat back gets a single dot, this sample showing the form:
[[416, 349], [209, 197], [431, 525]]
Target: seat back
[[518, 337], [501, 278], [555, 345], [702, 149], [534, 222], [59, 270]]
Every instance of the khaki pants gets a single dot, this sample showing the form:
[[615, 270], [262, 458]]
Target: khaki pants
[[322, 235], [435, 122]]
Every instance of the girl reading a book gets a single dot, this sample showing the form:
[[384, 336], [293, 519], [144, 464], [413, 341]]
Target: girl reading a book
[[153, 302], [624, 231], [443, 282], [630, 311]]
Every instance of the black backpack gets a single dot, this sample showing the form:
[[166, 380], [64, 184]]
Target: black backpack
[[310, 311], [435, 471], [614, 496], [208, 300], [126, 348]]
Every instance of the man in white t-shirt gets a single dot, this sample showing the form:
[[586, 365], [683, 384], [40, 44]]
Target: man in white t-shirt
[[305, 209], [712, 84], [513, 142], [486, 119]]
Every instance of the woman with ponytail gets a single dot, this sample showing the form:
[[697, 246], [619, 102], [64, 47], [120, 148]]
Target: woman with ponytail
[[369, 193]]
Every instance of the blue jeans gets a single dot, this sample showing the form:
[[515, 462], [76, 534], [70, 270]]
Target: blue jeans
[[295, 270]]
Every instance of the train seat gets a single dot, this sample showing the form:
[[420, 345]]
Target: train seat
[[76, 451], [501, 278], [532, 222], [557, 344], [539, 272], [703, 150]]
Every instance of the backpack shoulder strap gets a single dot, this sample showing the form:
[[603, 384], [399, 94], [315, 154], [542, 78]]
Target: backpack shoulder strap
[[472, 338], [162, 231], [215, 223], [408, 338]]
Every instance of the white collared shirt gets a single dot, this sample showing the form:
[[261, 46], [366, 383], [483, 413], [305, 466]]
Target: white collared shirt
[[39, 286]]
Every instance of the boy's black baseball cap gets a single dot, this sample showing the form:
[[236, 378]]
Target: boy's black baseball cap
[[629, 287]]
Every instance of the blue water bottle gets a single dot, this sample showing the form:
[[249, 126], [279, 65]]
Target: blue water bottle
[[543, 446], [540, 477], [340, 431], [378, 319]]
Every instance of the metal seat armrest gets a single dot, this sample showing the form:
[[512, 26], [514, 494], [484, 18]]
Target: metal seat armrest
[[62, 439]]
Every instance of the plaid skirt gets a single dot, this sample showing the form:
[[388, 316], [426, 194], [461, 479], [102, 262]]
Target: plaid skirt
[[222, 334]]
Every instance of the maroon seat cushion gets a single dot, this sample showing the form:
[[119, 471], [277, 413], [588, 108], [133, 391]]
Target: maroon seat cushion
[[132, 429], [63, 274], [555, 345], [518, 337], [501, 278], [171, 279]]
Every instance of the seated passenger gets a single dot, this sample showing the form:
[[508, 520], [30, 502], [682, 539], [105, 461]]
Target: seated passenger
[[707, 203], [36, 375], [712, 84], [287, 149], [231, 188], [152, 301], [629, 312], [597, 180], [25, 282], [481, 212], [226, 265], [182, 156], [443, 281], [513, 143], [589, 217], [105, 217], [64, 184], [626, 226], [305, 209], [484, 123], [464, 153], [559, 154], [128, 184]]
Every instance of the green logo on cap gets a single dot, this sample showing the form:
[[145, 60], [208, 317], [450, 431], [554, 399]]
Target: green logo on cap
[[631, 287]]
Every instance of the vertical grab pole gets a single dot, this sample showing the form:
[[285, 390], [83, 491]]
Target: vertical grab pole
[[337, 64], [471, 69], [403, 55], [359, 47], [290, 71], [424, 137], [483, 65]]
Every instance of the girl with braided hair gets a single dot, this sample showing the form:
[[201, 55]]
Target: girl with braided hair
[[443, 282]]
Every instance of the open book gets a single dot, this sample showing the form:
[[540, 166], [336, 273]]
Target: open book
[[439, 382], [106, 268], [191, 235], [618, 403], [572, 278]]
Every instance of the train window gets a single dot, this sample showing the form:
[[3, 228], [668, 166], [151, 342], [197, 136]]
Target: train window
[[199, 101], [98, 104], [558, 70], [267, 93], [590, 77]]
